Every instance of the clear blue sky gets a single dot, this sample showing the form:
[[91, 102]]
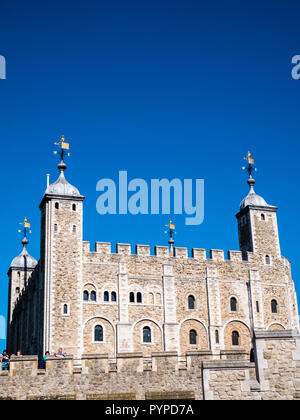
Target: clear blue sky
[[158, 88]]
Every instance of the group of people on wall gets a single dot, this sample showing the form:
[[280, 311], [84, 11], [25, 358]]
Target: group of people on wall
[[6, 358]]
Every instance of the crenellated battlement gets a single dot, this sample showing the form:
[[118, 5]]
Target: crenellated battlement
[[199, 254]]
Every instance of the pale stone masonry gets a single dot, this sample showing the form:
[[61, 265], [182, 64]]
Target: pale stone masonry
[[96, 302], [164, 375]]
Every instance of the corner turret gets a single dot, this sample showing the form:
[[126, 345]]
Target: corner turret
[[19, 273], [257, 223], [61, 260]]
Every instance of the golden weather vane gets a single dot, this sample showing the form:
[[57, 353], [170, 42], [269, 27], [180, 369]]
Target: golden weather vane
[[26, 226], [170, 231], [250, 168], [63, 146], [170, 225]]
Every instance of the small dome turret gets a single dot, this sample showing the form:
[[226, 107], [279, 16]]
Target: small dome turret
[[24, 260], [62, 186], [252, 198]]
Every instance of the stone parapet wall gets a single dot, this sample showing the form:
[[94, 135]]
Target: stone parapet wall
[[164, 375]]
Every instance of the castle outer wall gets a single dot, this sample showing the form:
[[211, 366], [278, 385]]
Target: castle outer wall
[[163, 376]]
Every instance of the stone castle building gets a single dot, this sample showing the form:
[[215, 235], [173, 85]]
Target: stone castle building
[[92, 302]]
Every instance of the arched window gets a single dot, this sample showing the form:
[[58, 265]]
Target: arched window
[[257, 306], [191, 302], [93, 296], [217, 337], [233, 304], [274, 306], [65, 309], [57, 206], [74, 229], [85, 295], [268, 260], [74, 207], [98, 333], [193, 337], [17, 290], [113, 296], [106, 296], [139, 297], [147, 335], [262, 217], [55, 227], [131, 297], [235, 338]]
